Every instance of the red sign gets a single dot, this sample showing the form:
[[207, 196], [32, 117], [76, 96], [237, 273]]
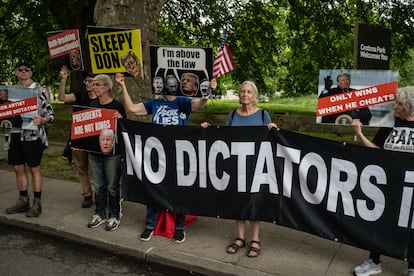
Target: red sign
[[14, 108], [356, 99], [91, 121]]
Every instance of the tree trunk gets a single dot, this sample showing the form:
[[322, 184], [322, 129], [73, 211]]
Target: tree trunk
[[133, 14]]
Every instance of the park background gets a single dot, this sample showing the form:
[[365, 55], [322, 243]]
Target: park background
[[280, 45]]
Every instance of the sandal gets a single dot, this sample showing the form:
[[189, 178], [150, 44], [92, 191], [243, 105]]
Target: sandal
[[254, 249], [234, 247]]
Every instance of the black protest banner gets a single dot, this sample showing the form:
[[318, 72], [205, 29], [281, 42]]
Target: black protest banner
[[348, 193]]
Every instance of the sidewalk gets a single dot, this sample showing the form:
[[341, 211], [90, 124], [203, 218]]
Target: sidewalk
[[284, 251]]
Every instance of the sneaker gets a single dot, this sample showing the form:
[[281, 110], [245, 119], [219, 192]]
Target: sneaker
[[410, 272], [96, 221], [36, 209], [112, 224], [368, 267], [87, 202], [179, 236], [22, 205], [146, 235]]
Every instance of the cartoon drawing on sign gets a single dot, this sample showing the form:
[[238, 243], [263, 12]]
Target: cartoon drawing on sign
[[132, 65]]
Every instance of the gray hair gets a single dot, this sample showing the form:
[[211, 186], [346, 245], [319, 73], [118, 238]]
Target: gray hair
[[105, 79], [252, 84], [406, 97]]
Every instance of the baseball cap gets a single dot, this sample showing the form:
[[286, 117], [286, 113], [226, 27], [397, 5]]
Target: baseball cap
[[21, 63]]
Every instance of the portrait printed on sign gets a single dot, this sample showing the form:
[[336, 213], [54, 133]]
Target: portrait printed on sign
[[18, 105], [367, 95], [114, 50], [94, 129], [181, 71], [65, 49]]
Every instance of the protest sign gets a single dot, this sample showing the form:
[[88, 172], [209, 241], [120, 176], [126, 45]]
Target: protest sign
[[368, 95], [65, 49], [115, 51], [181, 71]]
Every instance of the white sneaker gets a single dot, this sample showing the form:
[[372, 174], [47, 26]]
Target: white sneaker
[[96, 221], [368, 267], [410, 272], [112, 224]]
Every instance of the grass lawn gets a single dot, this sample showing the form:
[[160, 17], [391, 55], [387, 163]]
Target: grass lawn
[[54, 166]]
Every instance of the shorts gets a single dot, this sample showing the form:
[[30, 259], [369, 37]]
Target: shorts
[[25, 152]]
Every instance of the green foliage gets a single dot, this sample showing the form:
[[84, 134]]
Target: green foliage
[[23, 27], [282, 45]]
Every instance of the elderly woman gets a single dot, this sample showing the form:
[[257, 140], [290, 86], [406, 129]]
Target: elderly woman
[[403, 126], [248, 114], [106, 168]]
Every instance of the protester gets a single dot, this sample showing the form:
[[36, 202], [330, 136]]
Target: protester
[[106, 168], [385, 139], [79, 156], [248, 114], [27, 145], [343, 85], [175, 111]]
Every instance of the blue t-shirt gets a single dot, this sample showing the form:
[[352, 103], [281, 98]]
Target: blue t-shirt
[[176, 112], [259, 118]]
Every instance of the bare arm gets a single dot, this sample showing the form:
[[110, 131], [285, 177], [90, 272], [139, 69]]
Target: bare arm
[[137, 109], [67, 98], [357, 126]]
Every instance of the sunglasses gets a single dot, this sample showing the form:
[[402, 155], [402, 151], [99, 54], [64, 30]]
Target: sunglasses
[[24, 70]]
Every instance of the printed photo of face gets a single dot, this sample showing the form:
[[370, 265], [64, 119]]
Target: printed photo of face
[[132, 65], [189, 84], [158, 85], [106, 141], [171, 85], [75, 60]]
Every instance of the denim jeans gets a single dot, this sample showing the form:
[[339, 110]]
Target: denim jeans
[[152, 218], [106, 171]]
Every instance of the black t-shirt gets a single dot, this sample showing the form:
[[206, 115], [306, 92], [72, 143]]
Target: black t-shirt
[[398, 138]]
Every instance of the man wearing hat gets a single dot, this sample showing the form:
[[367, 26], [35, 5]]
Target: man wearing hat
[[27, 145], [79, 156]]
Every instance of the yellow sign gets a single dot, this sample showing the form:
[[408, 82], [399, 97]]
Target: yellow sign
[[115, 52]]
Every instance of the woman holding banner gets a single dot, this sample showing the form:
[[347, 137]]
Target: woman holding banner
[[385, 138], [248, 114]]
